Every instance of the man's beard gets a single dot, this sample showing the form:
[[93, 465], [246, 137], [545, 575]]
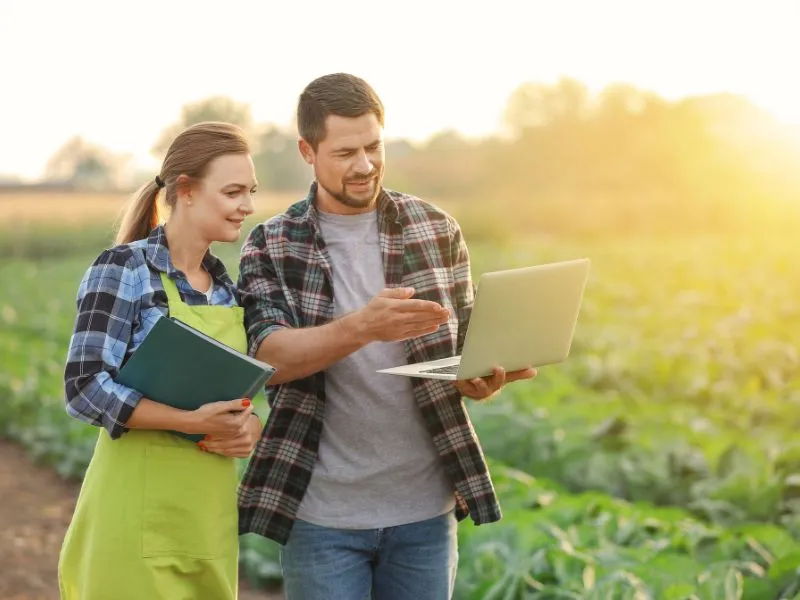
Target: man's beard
[[352, 202]]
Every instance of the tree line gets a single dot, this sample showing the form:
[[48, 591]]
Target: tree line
[[625, 159]]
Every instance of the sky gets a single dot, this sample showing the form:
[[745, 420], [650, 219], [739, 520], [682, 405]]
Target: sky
[[117, 73]]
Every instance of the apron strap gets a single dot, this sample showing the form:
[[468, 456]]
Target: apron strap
[[173, 295]]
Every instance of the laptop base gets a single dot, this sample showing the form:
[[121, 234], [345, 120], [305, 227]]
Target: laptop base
[[432, 369]]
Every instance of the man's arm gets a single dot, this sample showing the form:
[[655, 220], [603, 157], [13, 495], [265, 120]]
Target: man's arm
[[276, 338], [298, 353], [390, 316]]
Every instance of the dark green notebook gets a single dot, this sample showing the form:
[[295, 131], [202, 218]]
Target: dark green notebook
[[182, 367]]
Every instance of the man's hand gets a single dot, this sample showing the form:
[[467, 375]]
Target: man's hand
[[239, 446], [393, 316], [483, 388], [390, 316]]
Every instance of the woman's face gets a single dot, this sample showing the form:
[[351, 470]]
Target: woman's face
[[219, 203]]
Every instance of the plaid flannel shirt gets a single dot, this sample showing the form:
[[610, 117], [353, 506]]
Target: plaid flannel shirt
[[120, 298], [285, 281]]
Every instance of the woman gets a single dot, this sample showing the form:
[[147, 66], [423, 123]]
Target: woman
[[157, 516]]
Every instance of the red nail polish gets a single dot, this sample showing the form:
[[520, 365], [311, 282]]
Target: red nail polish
[[246, 402]]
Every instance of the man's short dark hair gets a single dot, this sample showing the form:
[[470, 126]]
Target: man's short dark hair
[[338, 94]]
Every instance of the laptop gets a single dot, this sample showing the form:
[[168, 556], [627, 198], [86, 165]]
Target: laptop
[[521, 318]]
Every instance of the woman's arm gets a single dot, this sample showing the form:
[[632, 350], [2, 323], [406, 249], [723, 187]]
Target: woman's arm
[[108, 300], [229, 418]]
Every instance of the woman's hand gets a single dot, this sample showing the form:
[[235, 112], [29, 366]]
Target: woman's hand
[[225, 419], [240, 446]]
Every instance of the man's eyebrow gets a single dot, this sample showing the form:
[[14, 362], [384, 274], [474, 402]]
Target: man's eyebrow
[[353, 148]]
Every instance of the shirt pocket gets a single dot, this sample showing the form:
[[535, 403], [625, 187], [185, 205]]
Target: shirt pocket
[[190, 506]]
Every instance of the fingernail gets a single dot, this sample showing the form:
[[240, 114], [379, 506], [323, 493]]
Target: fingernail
[[246, 402], [202, 446]]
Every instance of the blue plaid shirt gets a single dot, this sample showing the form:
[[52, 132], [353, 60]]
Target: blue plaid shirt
[[120, 298]]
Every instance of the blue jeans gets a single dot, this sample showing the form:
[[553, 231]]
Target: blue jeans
[[417, 561]]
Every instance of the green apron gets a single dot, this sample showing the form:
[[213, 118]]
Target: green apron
[[157, 517]]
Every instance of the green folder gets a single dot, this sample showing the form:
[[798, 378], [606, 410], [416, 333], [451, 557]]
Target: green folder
[[182, 367]]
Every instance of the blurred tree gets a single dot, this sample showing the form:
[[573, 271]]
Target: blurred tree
[[624, 160], [278, 163], [623, 117], [622, 100], [547, 124], [216, 108], [398, 149], [446, 141], [446, 165], [87, 167], [400, 155], [534, 105]]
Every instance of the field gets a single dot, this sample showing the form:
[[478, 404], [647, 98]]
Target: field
[[661, 461]]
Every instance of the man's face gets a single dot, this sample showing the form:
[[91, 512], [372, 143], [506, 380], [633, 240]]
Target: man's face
[[348, 163]]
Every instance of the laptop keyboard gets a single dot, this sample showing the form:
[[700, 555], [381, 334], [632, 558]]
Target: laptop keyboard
[[450, 369]]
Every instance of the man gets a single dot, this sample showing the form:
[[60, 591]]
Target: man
[[361, 476]]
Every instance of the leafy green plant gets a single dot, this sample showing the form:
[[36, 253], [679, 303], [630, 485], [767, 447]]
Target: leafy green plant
[[552, 544]]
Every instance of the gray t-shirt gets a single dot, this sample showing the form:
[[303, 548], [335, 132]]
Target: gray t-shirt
[[377, 466]]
